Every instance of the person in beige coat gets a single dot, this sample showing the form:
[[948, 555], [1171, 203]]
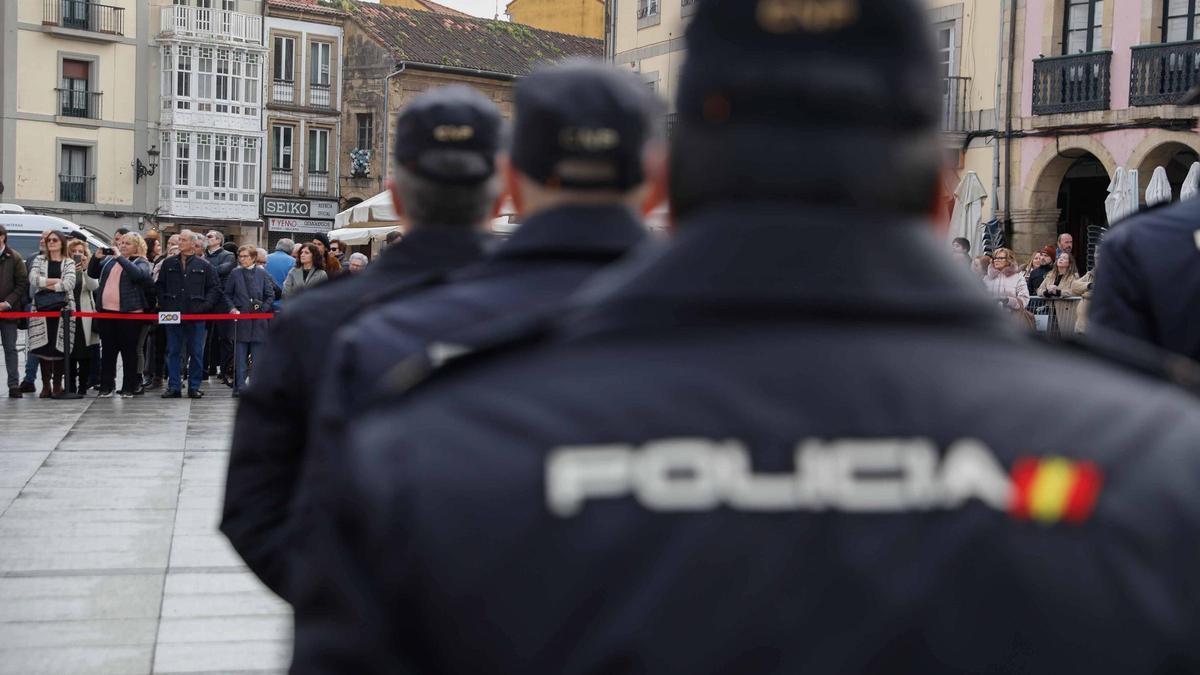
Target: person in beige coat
[[1057, 282], [1082, 287]]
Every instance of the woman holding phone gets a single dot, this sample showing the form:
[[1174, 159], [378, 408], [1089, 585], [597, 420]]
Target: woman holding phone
[[123, 275], [85, 343]]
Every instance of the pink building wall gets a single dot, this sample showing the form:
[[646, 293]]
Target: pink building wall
[[1125, 30], [1035, 12], [1126, 26]]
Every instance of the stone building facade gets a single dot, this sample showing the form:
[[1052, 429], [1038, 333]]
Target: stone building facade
[[382, 72]]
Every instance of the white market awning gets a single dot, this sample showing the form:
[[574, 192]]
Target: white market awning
[[373, 212], [360, 236]]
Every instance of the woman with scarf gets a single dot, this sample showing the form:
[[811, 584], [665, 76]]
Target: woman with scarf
[[51, 283]]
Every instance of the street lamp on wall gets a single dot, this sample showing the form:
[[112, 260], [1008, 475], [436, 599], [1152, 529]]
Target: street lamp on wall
[[141, 170]]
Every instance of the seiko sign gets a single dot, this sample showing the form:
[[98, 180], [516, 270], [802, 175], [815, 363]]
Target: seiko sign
[[299, 208]]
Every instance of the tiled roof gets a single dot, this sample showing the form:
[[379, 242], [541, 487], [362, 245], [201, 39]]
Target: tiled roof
[[468, 42], [440, 9], [318, 7]]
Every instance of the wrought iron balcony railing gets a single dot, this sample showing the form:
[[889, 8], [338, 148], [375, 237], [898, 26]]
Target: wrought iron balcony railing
[[1074, 83], [80, 189], [283, 91], [319, 95], [318, 183], [76, 103], [954, 115], [214, 24], [1162, 74], [84, 15], [281, 180]]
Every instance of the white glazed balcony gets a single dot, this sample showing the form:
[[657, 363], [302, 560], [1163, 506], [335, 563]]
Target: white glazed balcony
[[211, 24]]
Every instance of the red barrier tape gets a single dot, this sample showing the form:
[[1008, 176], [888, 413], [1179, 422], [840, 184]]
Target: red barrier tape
[[133, 317]]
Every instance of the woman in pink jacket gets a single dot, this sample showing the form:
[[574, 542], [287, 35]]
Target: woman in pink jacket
[[1005, 281]]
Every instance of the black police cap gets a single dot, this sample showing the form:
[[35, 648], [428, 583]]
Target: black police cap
[[583, 125], [836, 63], [449, 135]]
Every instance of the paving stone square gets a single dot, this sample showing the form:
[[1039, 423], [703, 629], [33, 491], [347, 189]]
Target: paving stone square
[[110, 558]]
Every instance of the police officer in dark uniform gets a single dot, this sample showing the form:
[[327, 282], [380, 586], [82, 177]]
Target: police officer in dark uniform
[[445, 184], [587, 161], [743, 454]]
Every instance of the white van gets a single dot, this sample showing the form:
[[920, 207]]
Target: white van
[[25, 230]]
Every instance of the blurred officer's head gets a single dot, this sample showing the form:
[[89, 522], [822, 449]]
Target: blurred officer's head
[[814, 101], [447, 141], [586, 133]]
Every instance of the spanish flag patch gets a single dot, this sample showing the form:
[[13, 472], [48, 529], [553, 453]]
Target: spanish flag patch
[[1054, 489]]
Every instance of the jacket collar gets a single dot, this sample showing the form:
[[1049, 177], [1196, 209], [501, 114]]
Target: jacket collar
[[574, 231], [432, 247], [779, 260]]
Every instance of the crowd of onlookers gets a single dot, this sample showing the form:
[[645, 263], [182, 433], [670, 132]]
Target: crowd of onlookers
[[190, 273], [1023, 290]]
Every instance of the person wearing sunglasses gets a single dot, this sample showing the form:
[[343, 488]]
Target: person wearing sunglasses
[[51, 280], [1005, 282]]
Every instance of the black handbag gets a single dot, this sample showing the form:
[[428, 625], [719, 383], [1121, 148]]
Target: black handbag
[[47, 300]]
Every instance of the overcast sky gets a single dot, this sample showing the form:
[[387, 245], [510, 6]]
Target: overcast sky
[[484, 8]]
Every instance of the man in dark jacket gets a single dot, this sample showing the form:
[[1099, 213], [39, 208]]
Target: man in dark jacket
[[218, 345], [447, 215], [187, 284], [1148, 279], [1039, 272], [737, 455], [14, 286]]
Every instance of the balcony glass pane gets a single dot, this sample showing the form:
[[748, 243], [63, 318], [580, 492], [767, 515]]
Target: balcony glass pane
[[1098, 17], [1177, 8], [1177, 30], [1077, 42], [1078, 16]]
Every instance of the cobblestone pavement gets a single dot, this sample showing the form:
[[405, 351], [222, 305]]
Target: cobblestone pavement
[[110, 560]]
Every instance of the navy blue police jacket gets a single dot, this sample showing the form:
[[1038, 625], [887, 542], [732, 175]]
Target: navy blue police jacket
[[526, 278], [549, 257], [270, 432], [794, 441], [1148, 279]]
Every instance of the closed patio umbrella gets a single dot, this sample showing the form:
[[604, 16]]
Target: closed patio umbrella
[[966, 219], [1159, 191]]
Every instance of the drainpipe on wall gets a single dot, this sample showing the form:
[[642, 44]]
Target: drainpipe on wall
[[996, 212], [1008, 131], [610, 34], [387, 119]]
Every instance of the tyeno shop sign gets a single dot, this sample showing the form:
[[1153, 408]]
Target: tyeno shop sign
[[299, 208], [298, 225]]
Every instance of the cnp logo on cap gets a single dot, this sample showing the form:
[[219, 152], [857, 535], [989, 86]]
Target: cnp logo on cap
[[811, 16], [583, 139], [452, 133]]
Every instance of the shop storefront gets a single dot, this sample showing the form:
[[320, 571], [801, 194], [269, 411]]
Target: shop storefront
[[296, 219]]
